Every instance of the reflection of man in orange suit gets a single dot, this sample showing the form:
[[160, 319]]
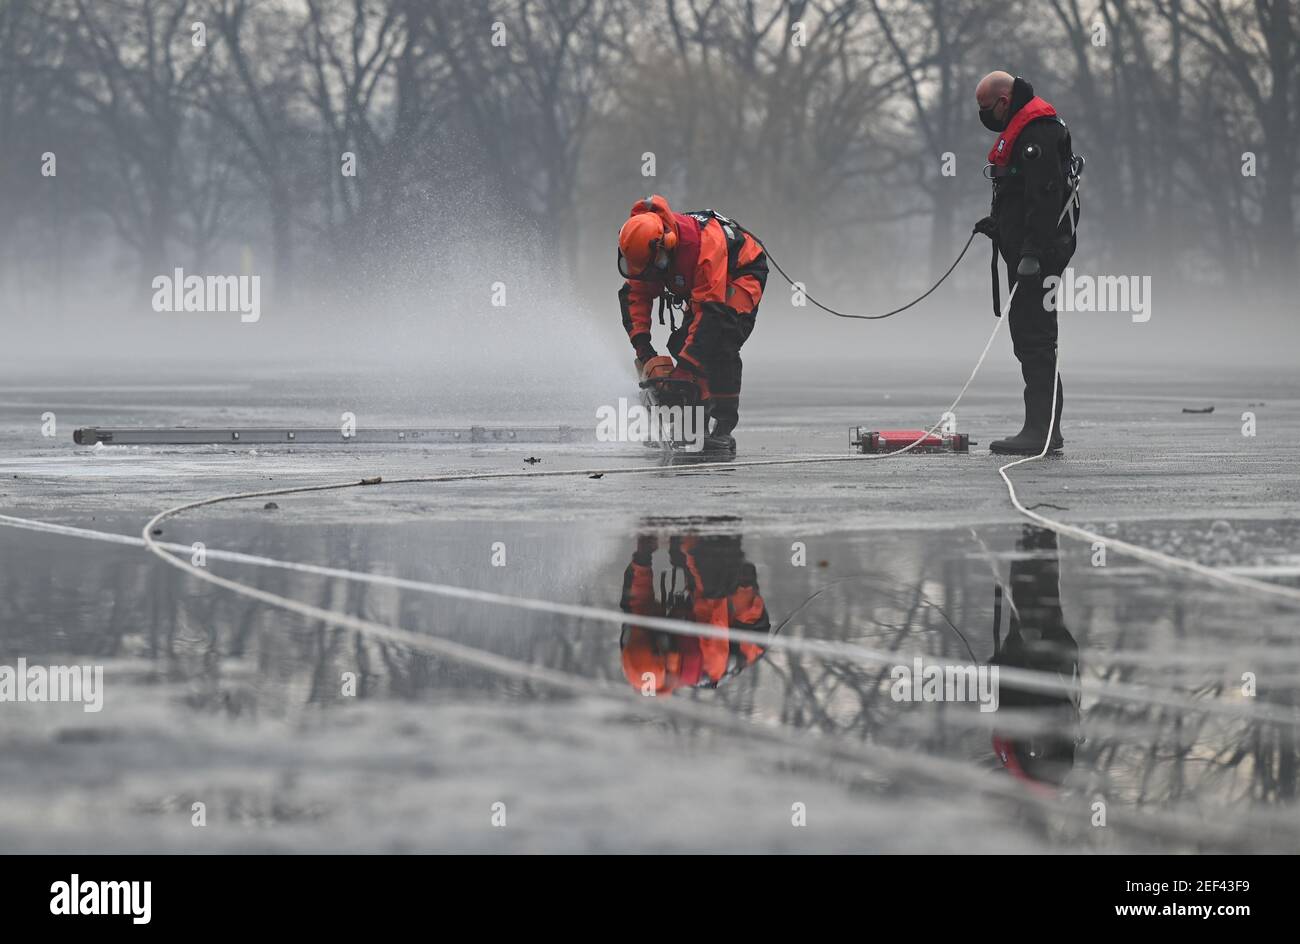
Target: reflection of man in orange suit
[[718, 586]]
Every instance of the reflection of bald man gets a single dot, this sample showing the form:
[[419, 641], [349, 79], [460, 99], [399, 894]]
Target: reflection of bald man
[[1029, 165]]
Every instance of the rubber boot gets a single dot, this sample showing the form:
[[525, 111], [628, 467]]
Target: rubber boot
[[725, 414], [1038, 411]]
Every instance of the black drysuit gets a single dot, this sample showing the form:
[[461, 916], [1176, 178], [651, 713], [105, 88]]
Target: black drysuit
[[1027, 203]]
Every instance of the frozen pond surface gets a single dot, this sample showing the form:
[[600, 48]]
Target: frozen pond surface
[[214, 698]]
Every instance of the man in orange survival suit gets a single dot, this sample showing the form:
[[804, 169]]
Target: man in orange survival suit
[[720, 588], [713, 270]]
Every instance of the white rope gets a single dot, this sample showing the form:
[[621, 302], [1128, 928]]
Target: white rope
[[1132, 550]]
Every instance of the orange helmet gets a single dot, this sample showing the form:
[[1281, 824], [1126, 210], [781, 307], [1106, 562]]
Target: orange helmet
[[647, 239], [665, 661]]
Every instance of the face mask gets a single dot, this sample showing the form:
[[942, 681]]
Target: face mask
[[988, 121]]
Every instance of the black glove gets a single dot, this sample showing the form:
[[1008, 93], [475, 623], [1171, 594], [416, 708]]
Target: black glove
[[987, 227], [644, 349], [1028, 268]]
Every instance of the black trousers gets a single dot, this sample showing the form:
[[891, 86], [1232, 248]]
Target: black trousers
[[1033, 324], [727, 332], [1033, 327]]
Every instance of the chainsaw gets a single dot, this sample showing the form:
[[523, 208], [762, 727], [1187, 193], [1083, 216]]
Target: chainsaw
[[676, 402]]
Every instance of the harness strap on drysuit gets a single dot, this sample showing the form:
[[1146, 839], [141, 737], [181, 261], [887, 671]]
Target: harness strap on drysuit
[[997, 282], [1075, 178], [672, 303]]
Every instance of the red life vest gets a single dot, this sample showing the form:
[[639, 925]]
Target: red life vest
[[1000, 155]]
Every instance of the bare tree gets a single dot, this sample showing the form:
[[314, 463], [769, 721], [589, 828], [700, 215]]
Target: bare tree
[[252, 89], [1256, 47], [351, 52], [932, 43], [131, 65], [820, 124], [530, 75]]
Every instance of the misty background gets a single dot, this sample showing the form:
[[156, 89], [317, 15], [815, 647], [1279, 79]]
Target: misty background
[[504, 142]]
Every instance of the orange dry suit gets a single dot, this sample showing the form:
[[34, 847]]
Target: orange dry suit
[[715, 278]]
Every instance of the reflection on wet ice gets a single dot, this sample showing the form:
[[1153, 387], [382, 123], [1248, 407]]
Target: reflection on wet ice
[[176, 657], [708, 580]]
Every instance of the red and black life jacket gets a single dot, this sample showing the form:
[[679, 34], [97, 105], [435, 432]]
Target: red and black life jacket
[[1003, 173], [1035, 108], [681, 280]]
